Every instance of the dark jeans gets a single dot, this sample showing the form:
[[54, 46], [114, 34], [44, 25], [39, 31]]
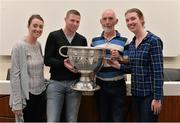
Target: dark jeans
[[111, 100], [35, 111], [142, 109]]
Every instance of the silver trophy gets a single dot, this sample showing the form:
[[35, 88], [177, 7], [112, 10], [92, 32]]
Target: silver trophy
[[87, 61]]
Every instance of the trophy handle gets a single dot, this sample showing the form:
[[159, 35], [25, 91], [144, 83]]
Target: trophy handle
[[61, 52]]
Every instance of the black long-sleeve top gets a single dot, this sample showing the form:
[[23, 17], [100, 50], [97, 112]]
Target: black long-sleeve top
[[54, 60]]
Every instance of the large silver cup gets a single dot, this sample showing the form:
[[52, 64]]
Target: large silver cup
[[87, 61]]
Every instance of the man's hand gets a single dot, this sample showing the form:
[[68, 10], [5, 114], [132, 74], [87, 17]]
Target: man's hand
[[69, 66], [114, 54]]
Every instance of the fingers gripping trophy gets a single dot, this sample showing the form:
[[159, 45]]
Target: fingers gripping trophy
[[87, 61]]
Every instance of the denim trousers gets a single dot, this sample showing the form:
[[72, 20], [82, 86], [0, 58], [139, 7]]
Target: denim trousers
[[60, 94], [142, 109], [111, 100]]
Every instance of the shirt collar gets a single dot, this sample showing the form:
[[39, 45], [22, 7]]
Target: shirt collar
[[117, 34], [147, 36]]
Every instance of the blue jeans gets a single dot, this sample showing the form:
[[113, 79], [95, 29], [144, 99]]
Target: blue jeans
[[111, 101], [58, 93], [142, 109]]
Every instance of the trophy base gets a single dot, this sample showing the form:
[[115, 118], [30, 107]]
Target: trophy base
[[84, 86]]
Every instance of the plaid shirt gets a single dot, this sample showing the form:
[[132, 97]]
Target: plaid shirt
[[146, 67]]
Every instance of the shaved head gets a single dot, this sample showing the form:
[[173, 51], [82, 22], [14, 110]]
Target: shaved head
[[109, 11], [108, 20]]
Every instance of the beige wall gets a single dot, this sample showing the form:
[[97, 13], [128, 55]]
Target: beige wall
[[170, 62], [13, 26], [5, 64], [56, 20]]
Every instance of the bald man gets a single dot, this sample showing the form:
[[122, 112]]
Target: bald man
[[112, 95]]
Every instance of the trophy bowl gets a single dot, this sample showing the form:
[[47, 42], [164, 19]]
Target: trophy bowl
[[87, 61]]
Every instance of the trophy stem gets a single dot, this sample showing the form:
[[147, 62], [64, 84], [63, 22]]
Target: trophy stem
[[85, 77], [86, 83]]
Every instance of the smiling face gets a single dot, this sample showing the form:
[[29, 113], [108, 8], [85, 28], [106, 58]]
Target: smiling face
[[72, 22], [108, 20], [35, 27], [134, 22]]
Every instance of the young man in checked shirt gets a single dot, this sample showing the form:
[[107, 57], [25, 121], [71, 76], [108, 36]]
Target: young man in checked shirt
[[146, 68]]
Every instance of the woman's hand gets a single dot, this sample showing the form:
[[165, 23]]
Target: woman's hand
[[114, 63], [18, 113], [69, 66], [156, 106]]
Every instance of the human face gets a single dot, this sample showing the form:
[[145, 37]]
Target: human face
[[36, 28], [72, 22], [108, 21], [133, 22]]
